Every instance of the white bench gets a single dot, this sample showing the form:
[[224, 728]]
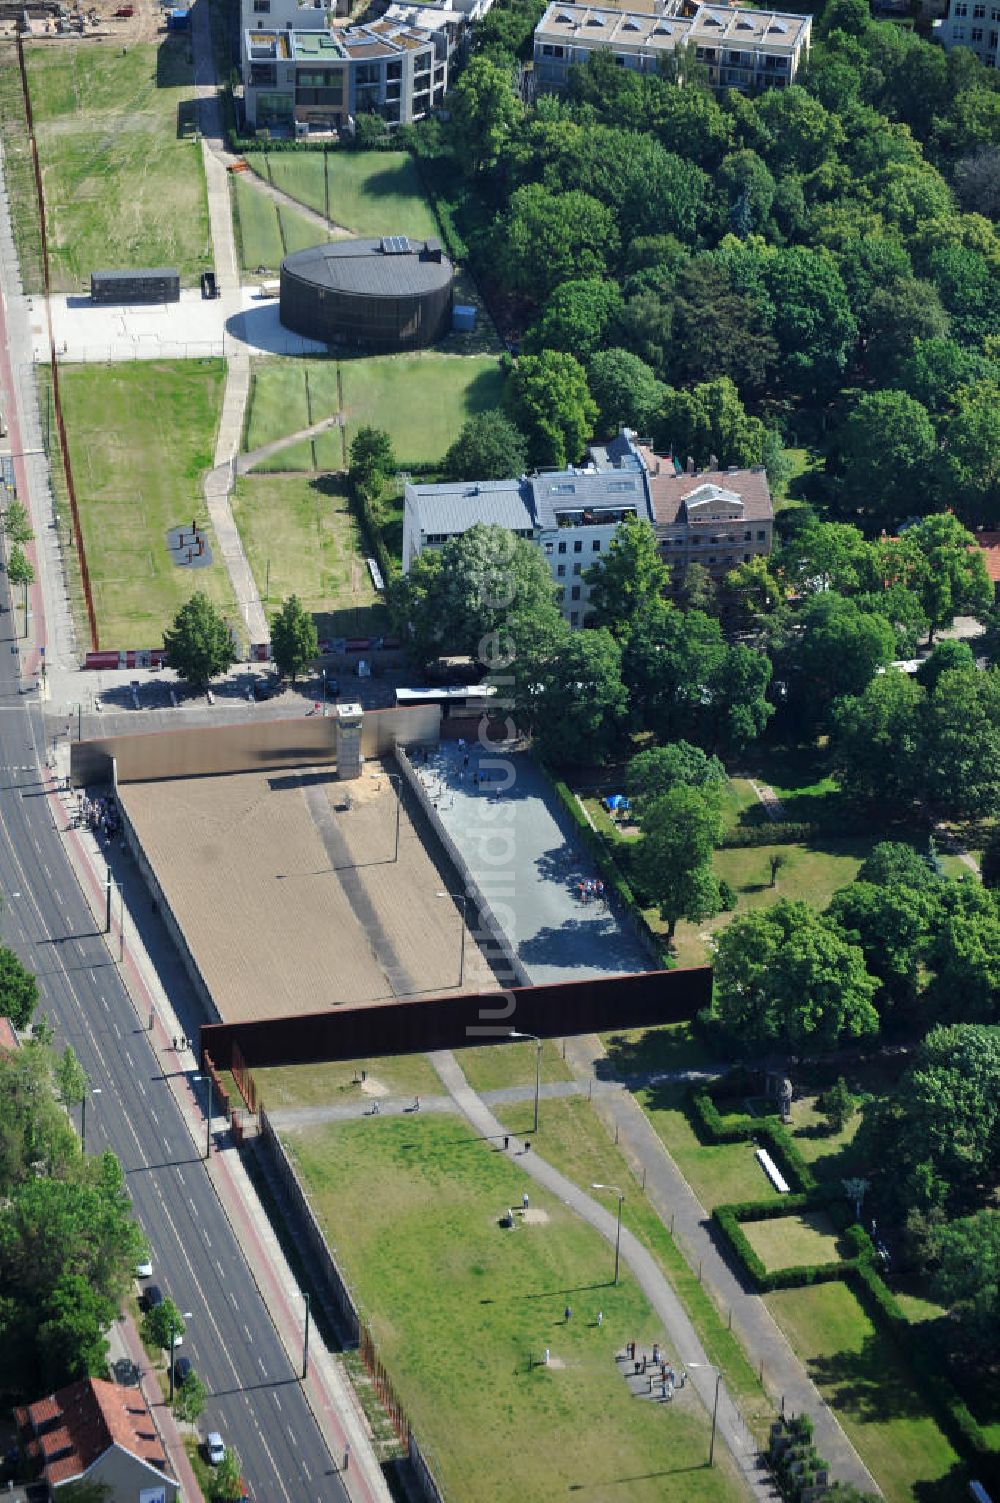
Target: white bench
[[772, 1171]]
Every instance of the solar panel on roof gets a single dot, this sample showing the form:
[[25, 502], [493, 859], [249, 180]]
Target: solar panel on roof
[[395, 245]]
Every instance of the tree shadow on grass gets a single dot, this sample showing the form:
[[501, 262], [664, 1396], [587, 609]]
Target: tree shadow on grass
[[868, 1384], [657, 1050]]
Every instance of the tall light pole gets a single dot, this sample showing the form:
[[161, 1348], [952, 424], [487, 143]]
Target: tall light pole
[[305, 1339], [715, 1407], [515, 1033], [614, 1190], [83, 1115], [458, 897]]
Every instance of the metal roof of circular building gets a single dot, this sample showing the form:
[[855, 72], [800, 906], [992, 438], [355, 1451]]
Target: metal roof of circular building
[[392, 266]]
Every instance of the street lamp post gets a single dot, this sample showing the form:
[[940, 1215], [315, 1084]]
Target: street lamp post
[[614, 1190], [715, 1407], [457, 897], [305, 1339], [208, 1119], [83, 1116], [515, 1033]]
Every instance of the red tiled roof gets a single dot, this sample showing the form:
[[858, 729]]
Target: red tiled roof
[[989, 542], [74, 1427], [8, 1038], [668, 490]]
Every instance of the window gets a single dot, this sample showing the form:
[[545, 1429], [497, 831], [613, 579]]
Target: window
[[977, 33], [979, 12], [548, 549], [394, 70], [961, 9], [993, 39], [958, 33], [574, 618], [576, 592], [746, 536], [761, 535], [578, 546], [561, 571], [262, 7], [595, 546], [577, 568], [562, 547], [746, 558]]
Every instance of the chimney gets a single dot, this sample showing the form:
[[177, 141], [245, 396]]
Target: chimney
[[657, 470], [689, 467]]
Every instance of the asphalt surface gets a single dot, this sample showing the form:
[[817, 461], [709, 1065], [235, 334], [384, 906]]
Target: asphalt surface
[[254, 1396]]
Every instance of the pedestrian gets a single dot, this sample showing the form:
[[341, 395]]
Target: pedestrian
[[375, 1108], [656, 1352], [663, 1390], [506, 1141], [684, 1376], [546, 1356], [600, 1318], [636, 1366], [644, 1360], [524, 1201], [416, 1103], [567, 1314], [465, 760], [347, 1456]]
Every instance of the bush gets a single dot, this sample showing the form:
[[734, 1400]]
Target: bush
[[770, 1132], [781, 832]]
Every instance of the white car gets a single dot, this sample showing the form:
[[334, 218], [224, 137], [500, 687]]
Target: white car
[[178, 1339], [144, 1270], [214, 1448]]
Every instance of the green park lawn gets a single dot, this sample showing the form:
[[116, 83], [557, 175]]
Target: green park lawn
[[301, 538], [649, 1051], [141, 436], [287, 395], [266, 231], [792, 1241], [19, 173], [493, 1067], [366, 192], [421, 400], [121, 171], [874, 1393], [336, 1083], [718, 1173], [462, 1312]]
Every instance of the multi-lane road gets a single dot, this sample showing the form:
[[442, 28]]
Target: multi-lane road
[[255, 1399]]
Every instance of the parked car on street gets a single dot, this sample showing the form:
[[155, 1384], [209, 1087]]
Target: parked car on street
[[215, 1448], [153, 1296]]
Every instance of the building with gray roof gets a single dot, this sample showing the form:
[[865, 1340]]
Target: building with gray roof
[[717, 518], [386, 294]]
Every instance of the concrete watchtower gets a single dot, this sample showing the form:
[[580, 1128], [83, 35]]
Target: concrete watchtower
[[349, 718]]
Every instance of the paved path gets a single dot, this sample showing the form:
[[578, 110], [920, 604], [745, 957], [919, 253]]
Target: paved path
[[219, 481], [773, 807], [686, 1347], [675, 1203], [287, 1118], [246, 461]]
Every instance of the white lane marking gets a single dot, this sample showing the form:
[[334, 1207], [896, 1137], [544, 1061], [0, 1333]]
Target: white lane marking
[[247, 1329]]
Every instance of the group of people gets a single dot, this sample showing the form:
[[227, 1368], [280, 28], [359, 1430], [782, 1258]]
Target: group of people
[[100, 815], [657, 1369], [590, 888]]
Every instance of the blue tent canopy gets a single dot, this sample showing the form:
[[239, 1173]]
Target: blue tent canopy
[[615, 802]]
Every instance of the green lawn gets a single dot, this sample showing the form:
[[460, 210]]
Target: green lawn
[[335, 1082], [370, 192], [789, 1241], [305, 531], [266, 232], [18, 171], [872, 1390], [641, 1051], [462, 1309], [718, 1173], [492, 1067], [573, 1138], [422, 400], [141, 435], [123, 178], [286, 395]]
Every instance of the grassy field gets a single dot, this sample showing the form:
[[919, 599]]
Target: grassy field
[[788, 1241], [265, 231], [493, 1067], [874, 1393], [573, 1138], [141, 436], [369, 192], [463, 1311], [300, 534], [717, 1172], [340, 1082], [19, 175], [422, 400], [287, 395], [121, 171]]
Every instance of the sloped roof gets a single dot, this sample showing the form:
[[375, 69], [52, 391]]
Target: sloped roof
[[989, 542], [671, 491], [455, 507], [73, 1428]]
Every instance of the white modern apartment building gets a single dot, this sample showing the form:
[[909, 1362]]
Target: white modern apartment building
[[974, 24], [741, 48], [715, 518]]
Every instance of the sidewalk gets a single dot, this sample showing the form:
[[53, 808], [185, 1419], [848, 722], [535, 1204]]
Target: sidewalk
[[124, 1342], [288, 1118], [675, 1202], [330, 1396], [687, 1349]]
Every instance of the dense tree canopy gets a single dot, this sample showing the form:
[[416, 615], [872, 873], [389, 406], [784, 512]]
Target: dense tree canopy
[[199, 644]]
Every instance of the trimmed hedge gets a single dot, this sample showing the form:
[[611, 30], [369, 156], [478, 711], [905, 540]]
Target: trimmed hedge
[[771, 1132], [780, 832], [610, 870], [728, 1219], [373, 536]]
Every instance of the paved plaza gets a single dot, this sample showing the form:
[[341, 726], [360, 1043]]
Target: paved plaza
[[505, 820], [240, 322]]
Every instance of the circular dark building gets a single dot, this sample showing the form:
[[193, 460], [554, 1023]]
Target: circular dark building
[[388, 294]]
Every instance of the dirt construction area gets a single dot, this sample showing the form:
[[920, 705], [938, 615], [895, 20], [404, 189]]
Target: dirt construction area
[[287, 890]]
